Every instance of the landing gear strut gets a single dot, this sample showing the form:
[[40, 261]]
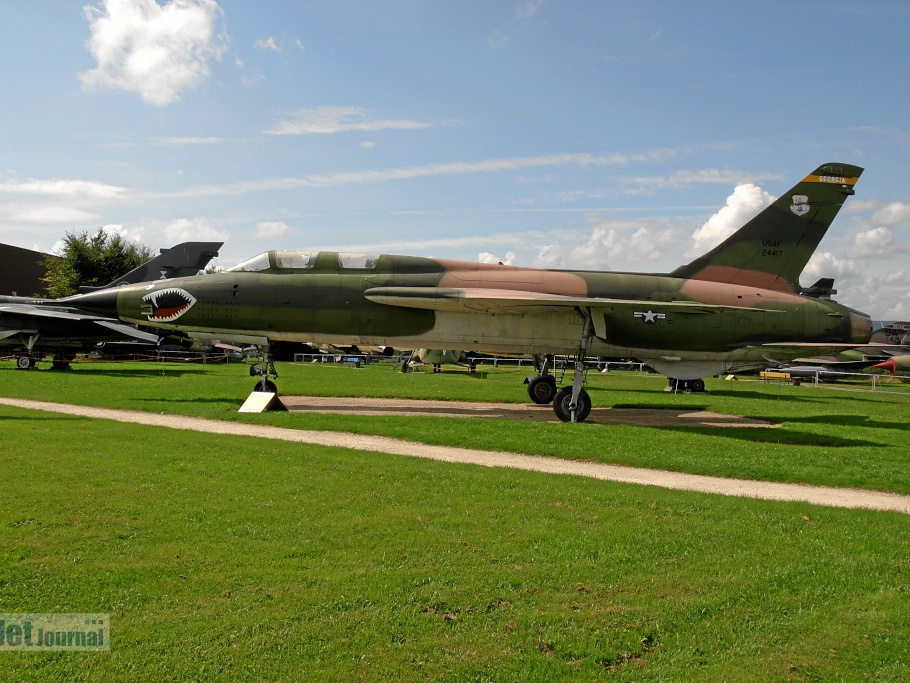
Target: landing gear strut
[[262, 370], [572, 404]]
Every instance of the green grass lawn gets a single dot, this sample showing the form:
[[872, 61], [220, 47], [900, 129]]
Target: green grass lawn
[[827, 436], [234, 558]]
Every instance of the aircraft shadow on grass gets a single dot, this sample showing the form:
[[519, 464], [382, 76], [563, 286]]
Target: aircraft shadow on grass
[[132, 373], [762, 396], [225, 400], [775, 436], [842, 420]]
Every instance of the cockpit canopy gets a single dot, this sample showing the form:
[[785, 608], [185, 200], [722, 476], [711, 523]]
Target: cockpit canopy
[[305, 260]]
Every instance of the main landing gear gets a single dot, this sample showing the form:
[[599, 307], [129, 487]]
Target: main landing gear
[[60, 360], [542, 386], [262, 370], [687, 386], [571, 403]]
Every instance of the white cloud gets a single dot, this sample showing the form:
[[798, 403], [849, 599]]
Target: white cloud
[[487, 257], [527, 9], [269, 229], [826, 264], [497, 41], [52, 214], [406, 173], [616, 242], [134, 234], [63, 188], [174, 141], [272, 44], [877, 243], [327, 120], [708, 176], [184, 229], [269, 44], [745, 203], [892, 214], [152, 49]]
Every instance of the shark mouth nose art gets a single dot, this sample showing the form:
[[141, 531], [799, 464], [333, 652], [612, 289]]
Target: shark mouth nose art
[[166, 305]]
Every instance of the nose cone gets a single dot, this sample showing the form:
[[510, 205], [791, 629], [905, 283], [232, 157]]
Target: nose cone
[[895, 363], [890, 365], [102, 302]]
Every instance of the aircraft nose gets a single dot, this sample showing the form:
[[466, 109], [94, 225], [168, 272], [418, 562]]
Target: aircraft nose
[[103, 302], [890, 365]]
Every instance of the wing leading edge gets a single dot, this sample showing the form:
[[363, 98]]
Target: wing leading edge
[[506, 301]]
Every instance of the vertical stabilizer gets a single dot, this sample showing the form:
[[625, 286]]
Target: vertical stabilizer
[[771, 250], [181, 260]]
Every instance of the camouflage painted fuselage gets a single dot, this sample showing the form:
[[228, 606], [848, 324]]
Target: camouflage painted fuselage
[[681, 326], [738, 306]]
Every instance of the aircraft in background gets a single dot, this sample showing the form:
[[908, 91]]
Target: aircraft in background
[[739, 306], [36, 327], [888, 347], [899, 335], [434, 357]]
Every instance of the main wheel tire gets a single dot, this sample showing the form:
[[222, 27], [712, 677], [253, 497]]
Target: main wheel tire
[[542, 389], [563, 400], [697, 386], [270, 387], [25, 362]]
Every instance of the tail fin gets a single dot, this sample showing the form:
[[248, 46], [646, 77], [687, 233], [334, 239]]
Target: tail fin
[[186, 258], [771, 250]]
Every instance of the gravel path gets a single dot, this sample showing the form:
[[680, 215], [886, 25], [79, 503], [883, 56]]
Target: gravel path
[[818, 495]]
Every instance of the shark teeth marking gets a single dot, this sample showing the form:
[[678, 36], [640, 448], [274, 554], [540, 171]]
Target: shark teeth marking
[[168, 304]]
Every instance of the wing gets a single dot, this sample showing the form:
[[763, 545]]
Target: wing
[[502, 301], [39, 313]]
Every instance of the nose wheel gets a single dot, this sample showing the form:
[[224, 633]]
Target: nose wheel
[[264, 369]]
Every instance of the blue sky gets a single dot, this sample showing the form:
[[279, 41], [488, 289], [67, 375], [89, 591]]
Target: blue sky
[[622, 135]]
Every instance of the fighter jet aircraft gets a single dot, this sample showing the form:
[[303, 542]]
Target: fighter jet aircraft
[[887, 345], [737, 307], [48, 326]]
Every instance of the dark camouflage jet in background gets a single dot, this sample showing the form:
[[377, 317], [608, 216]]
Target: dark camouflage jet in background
[[740, 306], [32, 328]]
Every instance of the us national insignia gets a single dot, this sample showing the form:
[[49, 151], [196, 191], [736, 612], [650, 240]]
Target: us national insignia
[[649, 317]]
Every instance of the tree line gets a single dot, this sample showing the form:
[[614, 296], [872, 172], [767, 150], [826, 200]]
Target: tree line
[[91, 258]]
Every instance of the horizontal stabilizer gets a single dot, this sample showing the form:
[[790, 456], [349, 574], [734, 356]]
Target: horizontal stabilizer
[[823, 289]]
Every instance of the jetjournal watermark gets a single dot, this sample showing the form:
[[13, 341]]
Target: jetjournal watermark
[[55, 632]]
